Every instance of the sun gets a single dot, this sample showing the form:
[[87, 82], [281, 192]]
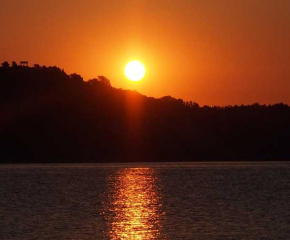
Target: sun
[[134, 71]]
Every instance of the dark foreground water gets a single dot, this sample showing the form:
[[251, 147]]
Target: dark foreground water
[[148, 201]]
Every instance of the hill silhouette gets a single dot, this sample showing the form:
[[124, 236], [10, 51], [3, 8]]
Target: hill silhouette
[[50, 116]]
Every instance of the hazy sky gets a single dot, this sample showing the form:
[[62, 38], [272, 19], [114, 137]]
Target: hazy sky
[[214, 52]]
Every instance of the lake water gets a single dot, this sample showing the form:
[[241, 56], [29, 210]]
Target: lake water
[[145, 201]]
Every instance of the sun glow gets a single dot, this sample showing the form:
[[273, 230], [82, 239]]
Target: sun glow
[[134, 70]]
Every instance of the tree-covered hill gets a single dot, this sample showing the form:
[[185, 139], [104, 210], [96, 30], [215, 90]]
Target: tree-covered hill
[[49, 116]]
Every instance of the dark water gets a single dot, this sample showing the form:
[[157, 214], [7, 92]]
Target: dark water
[[149, 201]]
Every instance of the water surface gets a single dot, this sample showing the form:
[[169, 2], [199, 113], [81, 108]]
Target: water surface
[[145, 201]]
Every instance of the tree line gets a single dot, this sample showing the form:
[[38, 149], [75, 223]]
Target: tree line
[[50, 116]]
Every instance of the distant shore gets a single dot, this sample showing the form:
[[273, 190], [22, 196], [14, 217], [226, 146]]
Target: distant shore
[[51, 117]]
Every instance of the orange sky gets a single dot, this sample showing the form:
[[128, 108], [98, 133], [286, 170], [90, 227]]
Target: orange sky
[[214, 52]]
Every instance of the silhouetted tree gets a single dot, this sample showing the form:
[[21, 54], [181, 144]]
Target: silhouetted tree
[[168, 99], [192, 104], [5, 64], [14, 64], [105, 81], [75, 77]]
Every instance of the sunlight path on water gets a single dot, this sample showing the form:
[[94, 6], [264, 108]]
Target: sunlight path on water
[[134, 207]]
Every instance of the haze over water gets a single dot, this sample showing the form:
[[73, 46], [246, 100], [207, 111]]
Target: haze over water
[[148, 201]]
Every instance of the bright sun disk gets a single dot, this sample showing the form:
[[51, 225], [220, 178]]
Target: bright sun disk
[[134, 70]]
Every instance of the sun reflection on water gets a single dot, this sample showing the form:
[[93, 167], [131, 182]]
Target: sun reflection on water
[[134, 207]]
